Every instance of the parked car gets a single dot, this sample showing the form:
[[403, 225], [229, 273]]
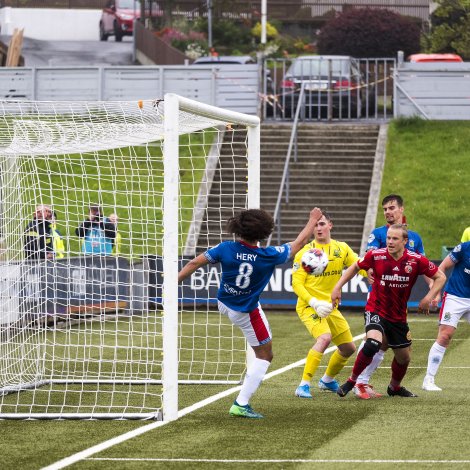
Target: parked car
[[334, 79], [435, 58], [117, 18]]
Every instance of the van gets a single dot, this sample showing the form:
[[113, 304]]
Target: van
[[435, 58]]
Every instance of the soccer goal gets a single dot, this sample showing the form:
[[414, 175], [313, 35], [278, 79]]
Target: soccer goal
[[101, 203]]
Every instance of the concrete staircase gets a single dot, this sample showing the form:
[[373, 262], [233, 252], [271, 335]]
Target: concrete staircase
[[333, 171]]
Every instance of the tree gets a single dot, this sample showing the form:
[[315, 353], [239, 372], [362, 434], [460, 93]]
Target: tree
[[367, 32], [450, 28]]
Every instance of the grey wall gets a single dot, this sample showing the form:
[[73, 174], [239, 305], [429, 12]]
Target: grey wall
[[230, 87], [433, 90]]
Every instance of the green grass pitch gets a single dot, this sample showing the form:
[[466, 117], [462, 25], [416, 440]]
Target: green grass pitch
[[327, 431]]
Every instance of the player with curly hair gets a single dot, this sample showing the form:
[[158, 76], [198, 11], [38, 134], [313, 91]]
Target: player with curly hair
[[246, 270]]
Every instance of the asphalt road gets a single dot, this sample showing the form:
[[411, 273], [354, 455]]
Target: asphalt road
[[39, 53]]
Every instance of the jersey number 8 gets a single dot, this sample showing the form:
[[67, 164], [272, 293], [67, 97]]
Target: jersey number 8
[[243, 279]]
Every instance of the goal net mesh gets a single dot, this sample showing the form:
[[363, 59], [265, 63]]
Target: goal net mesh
[[81, 224]]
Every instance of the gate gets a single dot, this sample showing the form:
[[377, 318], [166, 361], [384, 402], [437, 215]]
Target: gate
[[336, 88]]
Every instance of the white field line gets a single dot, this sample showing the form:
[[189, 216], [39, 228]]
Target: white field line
[[84, 454], [277, 460]]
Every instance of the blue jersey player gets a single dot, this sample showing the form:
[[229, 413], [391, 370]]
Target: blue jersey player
[[246, 270], [455, 306], [393, 208]]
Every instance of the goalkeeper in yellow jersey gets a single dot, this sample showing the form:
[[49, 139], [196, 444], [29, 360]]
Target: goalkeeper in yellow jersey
[[314, 308]]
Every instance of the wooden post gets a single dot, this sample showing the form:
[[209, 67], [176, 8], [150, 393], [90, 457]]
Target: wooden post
[[14, 48]]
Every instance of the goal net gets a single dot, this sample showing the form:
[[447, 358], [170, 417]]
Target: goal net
[[101, 203]]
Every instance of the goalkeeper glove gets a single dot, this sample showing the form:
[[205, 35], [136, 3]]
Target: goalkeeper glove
[[322, 307]]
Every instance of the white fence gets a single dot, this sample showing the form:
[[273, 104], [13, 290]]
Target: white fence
[[231, 87], [437, 91]]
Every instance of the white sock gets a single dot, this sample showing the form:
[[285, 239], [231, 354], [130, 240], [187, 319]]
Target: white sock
[[436, 354], [370, 369], [304, 382], [252, 381], [327, 379]]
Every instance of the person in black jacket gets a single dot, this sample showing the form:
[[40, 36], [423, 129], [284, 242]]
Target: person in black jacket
[[98, 233], [38, 237]]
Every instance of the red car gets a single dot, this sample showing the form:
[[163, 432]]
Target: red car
[[117, 19]]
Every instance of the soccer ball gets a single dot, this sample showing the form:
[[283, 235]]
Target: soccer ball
[[314, 261]]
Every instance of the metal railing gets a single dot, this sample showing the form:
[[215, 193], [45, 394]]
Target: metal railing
[[357, 89], [285, 174]]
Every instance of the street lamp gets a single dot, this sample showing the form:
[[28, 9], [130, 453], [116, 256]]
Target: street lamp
[[209, 23]]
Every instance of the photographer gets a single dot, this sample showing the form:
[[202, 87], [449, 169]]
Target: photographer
[[38, 237], [98, 233]]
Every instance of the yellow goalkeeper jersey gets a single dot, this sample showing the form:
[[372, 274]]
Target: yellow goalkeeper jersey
[[306, 286]]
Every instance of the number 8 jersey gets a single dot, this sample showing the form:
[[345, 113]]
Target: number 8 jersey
[[246, 270]]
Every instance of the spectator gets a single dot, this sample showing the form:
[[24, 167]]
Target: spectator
[[113, 218], [98, 233], [57, 239], [38, 238]]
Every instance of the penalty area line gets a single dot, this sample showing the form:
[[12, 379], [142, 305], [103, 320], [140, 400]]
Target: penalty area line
[[84, 454]]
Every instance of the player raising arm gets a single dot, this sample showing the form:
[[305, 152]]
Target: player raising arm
[[395, 270], [246, 270]]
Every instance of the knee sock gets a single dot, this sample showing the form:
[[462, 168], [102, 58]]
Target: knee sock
[[311, 366], [362, 361], [370, 369], [436, 354], [254, 376], [335, 365], [398, 372]]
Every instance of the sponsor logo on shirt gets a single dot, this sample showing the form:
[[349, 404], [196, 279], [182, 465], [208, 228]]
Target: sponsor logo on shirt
[[380, 257], [395, 277]]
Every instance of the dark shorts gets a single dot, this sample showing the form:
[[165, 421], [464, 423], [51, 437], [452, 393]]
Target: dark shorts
[[398, 334]]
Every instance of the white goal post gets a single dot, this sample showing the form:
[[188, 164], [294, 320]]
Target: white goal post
[[101, 203]]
